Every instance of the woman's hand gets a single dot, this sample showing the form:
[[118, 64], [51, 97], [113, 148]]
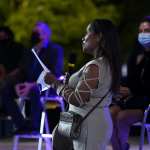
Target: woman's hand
[[50, 78], [23, 89], [124, 91]]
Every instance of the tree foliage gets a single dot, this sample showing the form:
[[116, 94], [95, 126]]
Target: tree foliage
[[67, 18]]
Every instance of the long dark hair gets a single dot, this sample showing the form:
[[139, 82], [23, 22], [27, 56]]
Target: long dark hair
[[145, 19], [109, 47]]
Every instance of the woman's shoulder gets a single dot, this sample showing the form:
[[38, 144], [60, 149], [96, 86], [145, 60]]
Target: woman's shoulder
[[96, 61]]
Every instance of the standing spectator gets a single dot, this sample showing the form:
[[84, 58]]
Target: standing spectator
[[88, 85]]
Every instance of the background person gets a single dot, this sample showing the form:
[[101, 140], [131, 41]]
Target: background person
[[137, 93], [10, 56]]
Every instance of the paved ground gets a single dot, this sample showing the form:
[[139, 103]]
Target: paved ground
[[6, 144]]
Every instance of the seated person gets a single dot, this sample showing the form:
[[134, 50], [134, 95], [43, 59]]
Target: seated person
[[10, 56], [23, 82], [136, 96]]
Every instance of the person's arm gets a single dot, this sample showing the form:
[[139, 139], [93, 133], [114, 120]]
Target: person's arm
[[12, 77], [59, 62], [81, 94], [23, 89], [58, 58], [135, 65]]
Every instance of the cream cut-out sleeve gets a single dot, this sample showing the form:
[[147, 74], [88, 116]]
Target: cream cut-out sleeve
[[81, 94]]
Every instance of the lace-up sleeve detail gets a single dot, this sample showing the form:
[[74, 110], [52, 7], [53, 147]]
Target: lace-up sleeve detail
[[88, 82]]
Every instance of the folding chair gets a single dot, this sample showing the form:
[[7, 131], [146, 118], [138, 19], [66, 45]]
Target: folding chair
[[43, 124], [145, 125]]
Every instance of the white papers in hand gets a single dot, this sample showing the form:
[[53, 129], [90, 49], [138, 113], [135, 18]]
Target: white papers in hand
[[39, 60], [41, 81]]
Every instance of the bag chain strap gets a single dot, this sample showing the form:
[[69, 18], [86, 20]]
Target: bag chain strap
[[92, 109]]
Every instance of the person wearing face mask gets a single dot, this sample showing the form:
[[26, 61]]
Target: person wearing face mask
[[98, 77], [23, 82], [129, 110]]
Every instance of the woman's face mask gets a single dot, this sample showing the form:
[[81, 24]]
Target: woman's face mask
[[144, 34], [144, 39]]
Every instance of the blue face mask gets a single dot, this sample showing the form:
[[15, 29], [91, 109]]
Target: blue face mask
[[144, 39]]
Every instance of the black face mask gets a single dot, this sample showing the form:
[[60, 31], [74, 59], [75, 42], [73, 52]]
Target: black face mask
[[35, 38]]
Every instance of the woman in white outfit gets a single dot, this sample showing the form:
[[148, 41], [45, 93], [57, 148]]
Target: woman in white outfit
[[87, 86]]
